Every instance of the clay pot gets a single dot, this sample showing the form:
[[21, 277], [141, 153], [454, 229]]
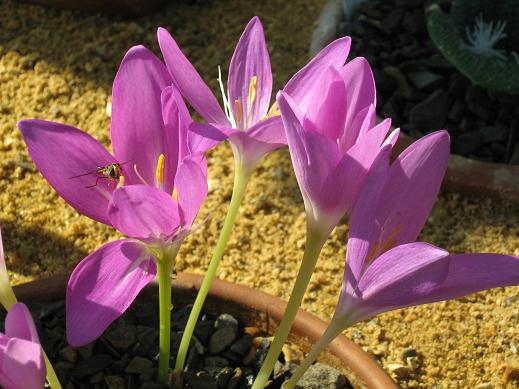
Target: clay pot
[[464, 175], [252, 307]]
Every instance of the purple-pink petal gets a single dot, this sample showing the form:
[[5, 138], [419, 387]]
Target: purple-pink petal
[[301, 84], [68, 158], [19, 323], [360, 88], [203, 137], [327, 113], [469, 273], [398, 278], [144, 212], [191, 186], [250, 59], [341, 188], [188, 81], [137, 125], [21, 364], [103, 286], [368, 145], [413, 184], [364, 230], [175, 137], [270, 131], [313, 155]]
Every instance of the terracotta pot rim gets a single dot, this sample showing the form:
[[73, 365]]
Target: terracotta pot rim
[[464, 175], [306, 325]]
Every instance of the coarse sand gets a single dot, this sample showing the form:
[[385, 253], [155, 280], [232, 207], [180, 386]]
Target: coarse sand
[[58, 65]]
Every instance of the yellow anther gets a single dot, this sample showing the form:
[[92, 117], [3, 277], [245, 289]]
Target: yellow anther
[[239, 113], [121, 181], [252, 89], [175, 194], [159, 173], [274, 110]]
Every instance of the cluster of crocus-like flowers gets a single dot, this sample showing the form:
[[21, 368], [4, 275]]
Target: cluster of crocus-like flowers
[[152, 187]]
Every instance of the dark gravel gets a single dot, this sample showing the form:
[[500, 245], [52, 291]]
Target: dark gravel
[[223, 354], [422, 92]]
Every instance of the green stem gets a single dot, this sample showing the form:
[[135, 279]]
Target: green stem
[[52, 378], [314, 243], [329, 335], [164, 269], [241, 178]]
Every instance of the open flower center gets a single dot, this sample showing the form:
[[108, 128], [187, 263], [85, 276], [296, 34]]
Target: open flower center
[[240, 113]]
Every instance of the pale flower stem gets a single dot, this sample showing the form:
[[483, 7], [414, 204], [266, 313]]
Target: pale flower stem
[[333, 330], [164, 270], [241, 178], [52, 378], [314, 243]]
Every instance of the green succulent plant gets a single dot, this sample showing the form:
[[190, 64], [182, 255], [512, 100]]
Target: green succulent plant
[[481, 39]]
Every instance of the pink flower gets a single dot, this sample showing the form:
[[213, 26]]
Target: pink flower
[[385, 268], [333, 139], [149, 119], [252, 128], [21, 358], [162, 178]]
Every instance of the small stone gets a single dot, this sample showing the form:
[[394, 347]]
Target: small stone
[[68, 354], [404, 88], [222, 338], [424, 79], [399, 370], [430, 114], [409, 352], [138, 365], [86, 351], [114, 382], [214, 364], [413, 363], [121, 337], [203, 330], [179, 318], [484, 385], [380, 349], [91, 366], [511, 369], [242, 345], [320, 376]]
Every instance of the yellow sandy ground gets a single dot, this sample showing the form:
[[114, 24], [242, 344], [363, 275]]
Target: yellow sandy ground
[[60, 65]]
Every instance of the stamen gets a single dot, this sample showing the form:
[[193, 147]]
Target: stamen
[[252, 89], [159, 173], [175, 194], [238, 111], [139, 175], [121, 181], [226, 103], [273, 111]]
